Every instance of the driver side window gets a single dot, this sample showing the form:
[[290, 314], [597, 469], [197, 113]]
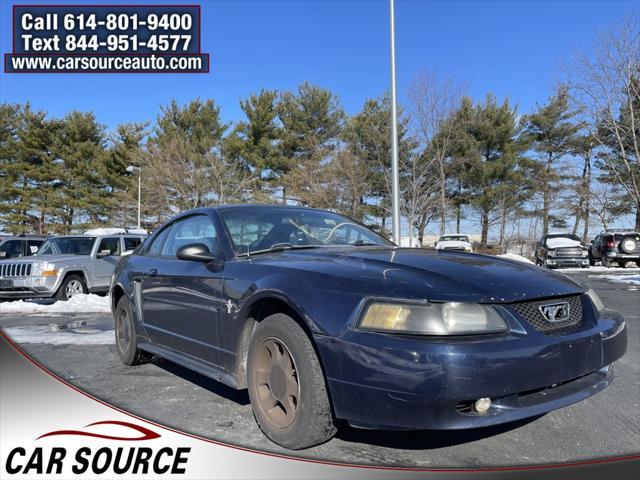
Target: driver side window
[[111, 244], [196, 229]]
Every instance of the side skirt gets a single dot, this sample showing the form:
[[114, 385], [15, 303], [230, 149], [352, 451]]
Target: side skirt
[[207, 369]]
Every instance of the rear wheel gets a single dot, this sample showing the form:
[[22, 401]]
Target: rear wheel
[[71, 286], [286, 385], [126, 339]]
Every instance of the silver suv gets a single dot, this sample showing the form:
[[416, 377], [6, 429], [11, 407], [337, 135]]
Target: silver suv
[[66, 266]]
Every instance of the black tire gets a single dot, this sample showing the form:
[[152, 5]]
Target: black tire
[[310, 417], [72, 285], [126, 339]]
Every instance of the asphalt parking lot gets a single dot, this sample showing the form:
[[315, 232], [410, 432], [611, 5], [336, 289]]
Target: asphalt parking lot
[[604, 425]]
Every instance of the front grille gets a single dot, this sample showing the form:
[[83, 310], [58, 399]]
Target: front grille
[[568, 252], [530, 311], [13, 270]]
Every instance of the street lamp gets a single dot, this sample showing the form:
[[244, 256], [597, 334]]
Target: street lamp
[[131, 169], [395, 181]]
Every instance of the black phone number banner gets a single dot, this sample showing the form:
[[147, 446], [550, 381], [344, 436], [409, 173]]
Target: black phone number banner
[[106, 38]]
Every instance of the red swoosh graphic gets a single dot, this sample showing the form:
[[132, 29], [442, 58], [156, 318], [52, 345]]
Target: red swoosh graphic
[[146, 433]]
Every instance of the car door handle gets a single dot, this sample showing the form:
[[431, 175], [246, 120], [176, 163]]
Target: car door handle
[[151, 273]]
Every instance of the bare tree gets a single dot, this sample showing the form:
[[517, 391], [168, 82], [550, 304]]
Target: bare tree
[[178, 177], [605, 82], [434, 101]]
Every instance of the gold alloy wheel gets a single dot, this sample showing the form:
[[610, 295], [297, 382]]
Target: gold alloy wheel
[[277, 383]]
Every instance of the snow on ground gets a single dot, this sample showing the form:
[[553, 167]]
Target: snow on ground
[[517, 258], [632, 279], [600, 269], [49, 334], [79, 304]]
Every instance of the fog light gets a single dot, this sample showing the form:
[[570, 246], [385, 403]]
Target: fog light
[[482, 405]]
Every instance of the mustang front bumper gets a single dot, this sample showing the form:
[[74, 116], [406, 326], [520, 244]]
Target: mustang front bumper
[[403, 382]]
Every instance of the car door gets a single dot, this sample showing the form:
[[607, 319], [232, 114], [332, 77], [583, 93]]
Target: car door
[[182, 299], [105, 258]]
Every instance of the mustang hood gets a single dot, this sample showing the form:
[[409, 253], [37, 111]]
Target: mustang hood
[[437, 275]]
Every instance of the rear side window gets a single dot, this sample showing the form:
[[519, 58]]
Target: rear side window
[[11, 249], [131, 243], [33, 246]]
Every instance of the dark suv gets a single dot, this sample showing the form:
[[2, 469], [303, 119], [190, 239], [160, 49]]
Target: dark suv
[[15, 247], [561, 250], [615, 247]]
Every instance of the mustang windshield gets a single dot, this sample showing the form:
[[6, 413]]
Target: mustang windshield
[[279, 228], [67, 246]]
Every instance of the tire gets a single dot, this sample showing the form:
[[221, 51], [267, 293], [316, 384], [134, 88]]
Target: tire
[[72, 285], [628, 245], [282, 363], [126, 339]]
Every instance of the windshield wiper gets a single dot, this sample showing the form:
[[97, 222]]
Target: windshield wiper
[[277, 247], [364, 243]]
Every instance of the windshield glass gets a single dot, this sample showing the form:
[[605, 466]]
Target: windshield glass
[[255, 230], [67, 246], [454, 238]]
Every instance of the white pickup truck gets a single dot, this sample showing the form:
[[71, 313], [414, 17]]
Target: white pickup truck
[[66, 266], [454, 241]]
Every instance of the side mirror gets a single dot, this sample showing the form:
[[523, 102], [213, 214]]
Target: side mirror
[[197, 252], [103, 253]]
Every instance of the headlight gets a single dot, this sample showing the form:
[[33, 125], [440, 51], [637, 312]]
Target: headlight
[[551, 253], [451, 318], [44, 269], [596, 300], [585, 253]]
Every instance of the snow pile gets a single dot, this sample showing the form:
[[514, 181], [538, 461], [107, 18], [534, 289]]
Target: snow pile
[[562, 242], [105, 231], [598, 268], [51, 336], [632, 279], [515, 257], [77, 304]]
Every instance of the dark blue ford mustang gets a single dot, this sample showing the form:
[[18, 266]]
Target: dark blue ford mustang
[[323, 320]]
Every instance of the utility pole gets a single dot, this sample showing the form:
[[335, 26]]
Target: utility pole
[[395, 180]]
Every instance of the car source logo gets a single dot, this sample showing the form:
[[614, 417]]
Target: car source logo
[[555, 312]]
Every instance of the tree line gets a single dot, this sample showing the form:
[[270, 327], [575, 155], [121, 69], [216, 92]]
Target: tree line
[[572, 163]]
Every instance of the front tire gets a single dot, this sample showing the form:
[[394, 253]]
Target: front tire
[[126, 338], [286, 385], [71, 286]]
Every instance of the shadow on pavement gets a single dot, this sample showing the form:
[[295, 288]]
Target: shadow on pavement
[[425, 439], [241, 397]]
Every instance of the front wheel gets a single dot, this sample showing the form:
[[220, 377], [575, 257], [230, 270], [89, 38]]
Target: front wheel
[[71, 286], [286, 385]]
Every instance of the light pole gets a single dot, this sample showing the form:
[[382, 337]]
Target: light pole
[[395, 181], [131, 169]]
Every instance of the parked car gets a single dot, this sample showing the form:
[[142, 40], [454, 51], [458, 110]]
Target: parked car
[[66, 266], [615, 247], [22, 246], [324, 320], [454, 241], [561, 250]]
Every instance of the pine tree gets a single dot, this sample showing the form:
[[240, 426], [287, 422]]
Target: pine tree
[[551, 130]]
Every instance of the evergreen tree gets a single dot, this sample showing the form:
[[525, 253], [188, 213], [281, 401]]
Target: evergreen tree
[[494, 167], [255, 144], [551, 131]]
